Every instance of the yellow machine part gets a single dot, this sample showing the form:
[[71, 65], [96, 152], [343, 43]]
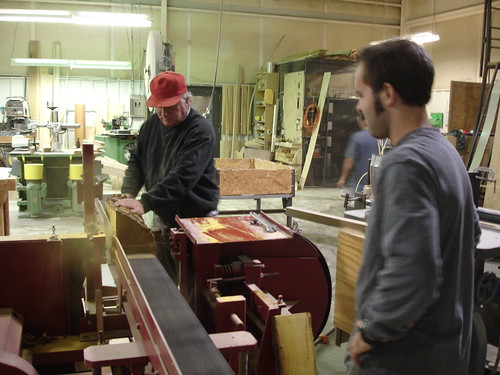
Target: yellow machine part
[[33, 171], [76, 172]]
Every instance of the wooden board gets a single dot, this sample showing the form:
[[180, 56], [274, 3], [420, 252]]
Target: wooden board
[[464, 105], [492, 115], [492, 195], [312, 142], [349, 251], [306, 54], [294, 343], [6, 139], [228, 93], [130, 229], [80, 119], [253, 177], [4, 209]]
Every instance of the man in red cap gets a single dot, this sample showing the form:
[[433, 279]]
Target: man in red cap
[[174, 161]]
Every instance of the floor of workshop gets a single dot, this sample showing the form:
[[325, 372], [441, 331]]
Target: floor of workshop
[[326, 200]]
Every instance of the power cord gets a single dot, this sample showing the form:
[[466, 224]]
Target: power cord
[[312, 117]]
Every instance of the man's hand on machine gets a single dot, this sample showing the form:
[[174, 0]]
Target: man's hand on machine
[[123, 195], [133, 205]]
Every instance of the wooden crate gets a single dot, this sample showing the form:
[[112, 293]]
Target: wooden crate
[[253, 177]]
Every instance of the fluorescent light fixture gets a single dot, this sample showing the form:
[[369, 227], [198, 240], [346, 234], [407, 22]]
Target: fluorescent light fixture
[[73, 64], [419, 38], [422, 38], [76, 18], [111, 19], [32, 12]]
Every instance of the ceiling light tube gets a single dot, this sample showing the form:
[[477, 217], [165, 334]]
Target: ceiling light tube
[[90, 64], [21, 18], [73, 64], [419, 38], [422, 38], [77, 18], [35, 12]]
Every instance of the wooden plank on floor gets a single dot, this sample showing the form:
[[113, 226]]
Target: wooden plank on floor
[[295, 344]]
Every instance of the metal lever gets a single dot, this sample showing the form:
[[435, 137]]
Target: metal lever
[[264, 222]]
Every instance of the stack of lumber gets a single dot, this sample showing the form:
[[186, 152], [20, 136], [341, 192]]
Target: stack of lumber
[[114, 169]]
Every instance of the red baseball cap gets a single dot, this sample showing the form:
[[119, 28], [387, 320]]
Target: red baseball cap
[[166, 89]]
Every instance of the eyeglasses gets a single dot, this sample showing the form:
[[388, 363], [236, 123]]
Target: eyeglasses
[[163, 109]]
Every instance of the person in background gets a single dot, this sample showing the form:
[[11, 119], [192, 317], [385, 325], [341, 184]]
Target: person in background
[[414, 293], [360, 147], [174, 161]]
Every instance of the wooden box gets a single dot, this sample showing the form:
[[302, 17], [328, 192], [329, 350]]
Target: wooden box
[[253, 176]]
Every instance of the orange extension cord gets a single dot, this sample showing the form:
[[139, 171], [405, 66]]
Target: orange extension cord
[[306, 122]]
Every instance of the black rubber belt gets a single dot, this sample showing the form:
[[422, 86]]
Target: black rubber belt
[[191, 346]]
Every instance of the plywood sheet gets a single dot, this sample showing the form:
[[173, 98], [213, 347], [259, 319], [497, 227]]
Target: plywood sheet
[[349, 250]]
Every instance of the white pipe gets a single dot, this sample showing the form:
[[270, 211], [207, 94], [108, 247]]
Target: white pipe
[[188, 48], [261, 42], [163, 19]]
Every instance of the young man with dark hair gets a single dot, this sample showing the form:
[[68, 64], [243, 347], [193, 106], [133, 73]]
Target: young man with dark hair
[[414, 295]]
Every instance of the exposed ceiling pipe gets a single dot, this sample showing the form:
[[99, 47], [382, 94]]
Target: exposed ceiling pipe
[[158, 2], [308, 16], [260, 12], [447, 16], [377, 3], [93, 3]]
